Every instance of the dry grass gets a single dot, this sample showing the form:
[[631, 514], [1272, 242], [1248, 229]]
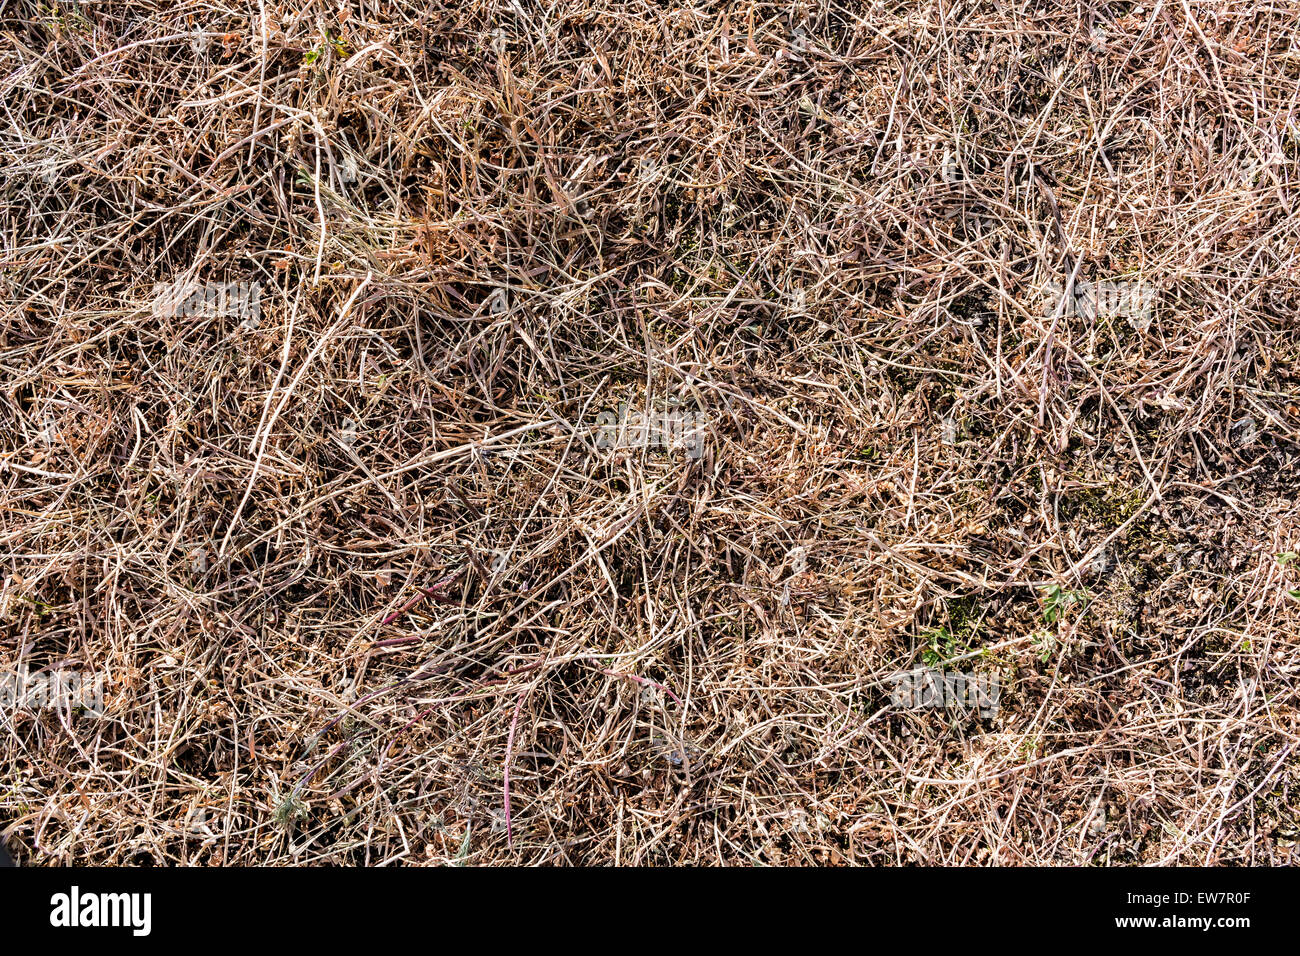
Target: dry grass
[[826, 226]]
